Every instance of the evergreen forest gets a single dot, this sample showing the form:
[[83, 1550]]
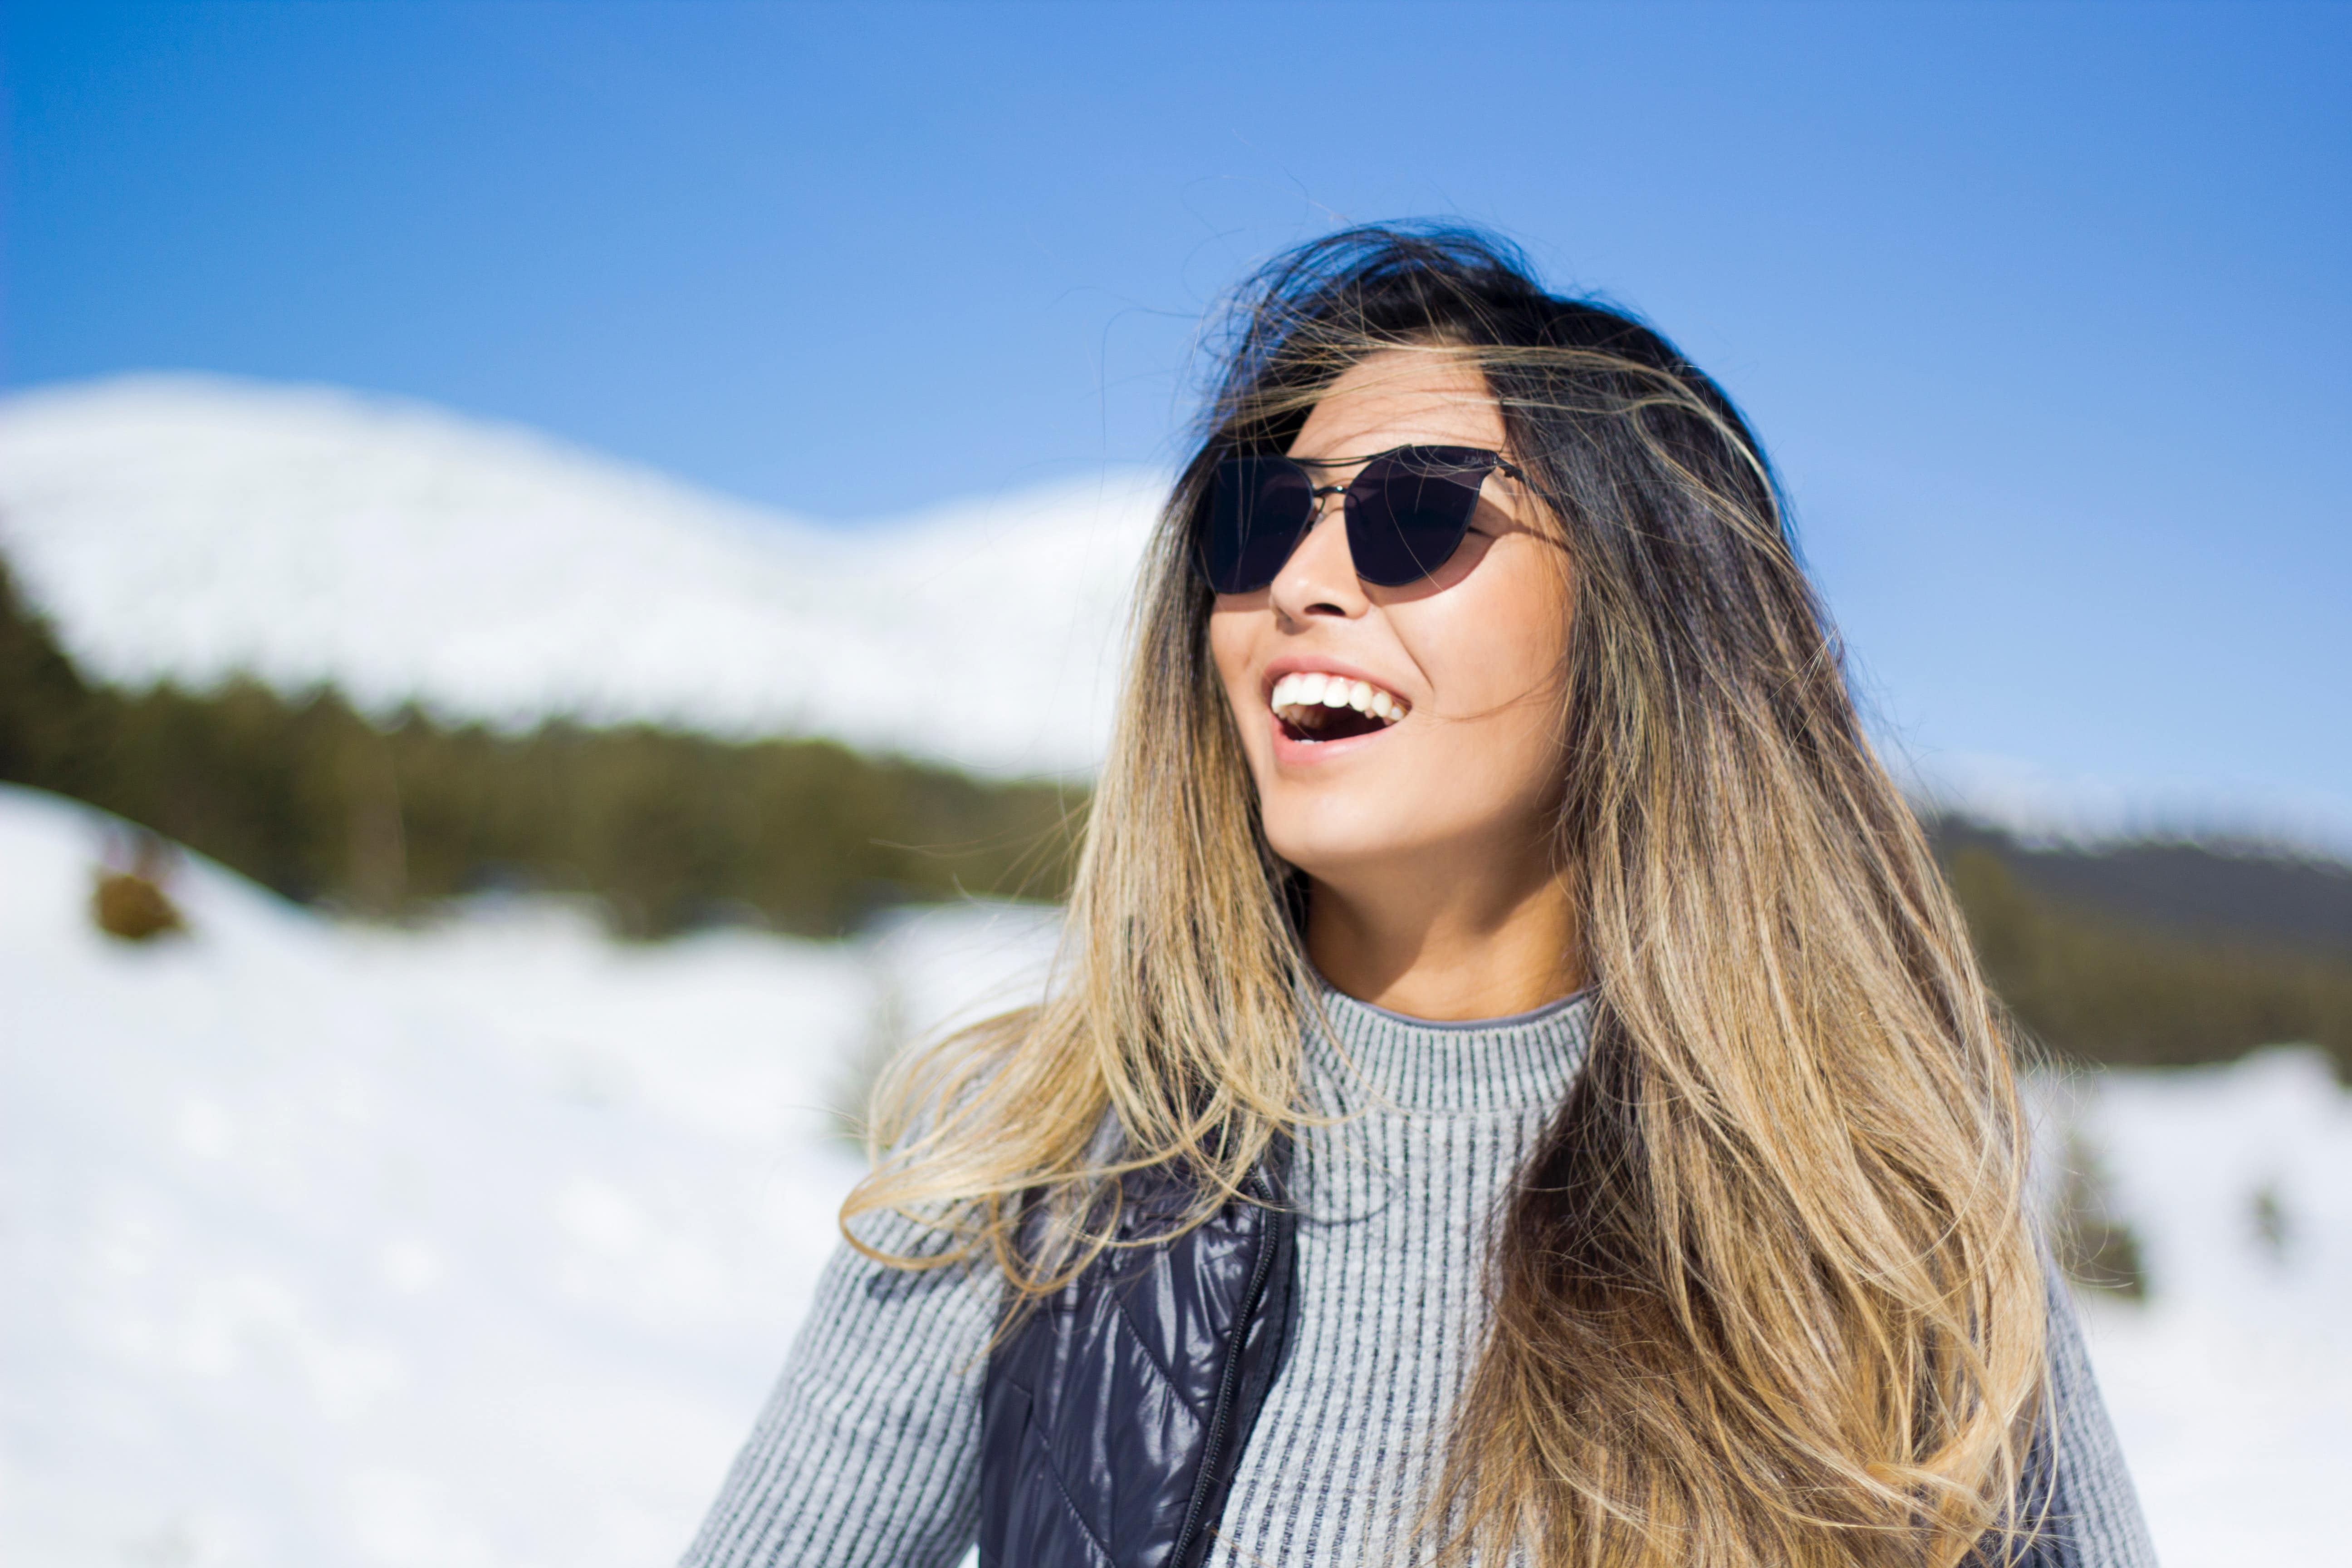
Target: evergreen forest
[[2157, 953]]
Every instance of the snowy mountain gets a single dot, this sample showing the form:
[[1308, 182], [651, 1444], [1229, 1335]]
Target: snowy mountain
[[193, 527]]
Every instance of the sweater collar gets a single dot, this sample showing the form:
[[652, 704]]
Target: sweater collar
[[1525, 1061]]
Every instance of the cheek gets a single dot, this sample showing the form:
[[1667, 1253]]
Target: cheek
[[1494, 653], [1232, 635]]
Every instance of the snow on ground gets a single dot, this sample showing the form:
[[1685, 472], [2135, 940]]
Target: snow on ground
[[324, 1244], [2234, 1388], [191, 527]]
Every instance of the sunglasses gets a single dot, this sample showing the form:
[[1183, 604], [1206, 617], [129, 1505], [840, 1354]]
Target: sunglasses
[[1407, 511]]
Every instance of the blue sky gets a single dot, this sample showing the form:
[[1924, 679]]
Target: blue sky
[[2042, 308]]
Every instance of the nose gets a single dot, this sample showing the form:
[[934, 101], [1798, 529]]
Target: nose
[[1320, 578]]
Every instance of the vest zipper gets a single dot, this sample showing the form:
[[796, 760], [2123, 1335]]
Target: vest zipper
[[1222, 1415]]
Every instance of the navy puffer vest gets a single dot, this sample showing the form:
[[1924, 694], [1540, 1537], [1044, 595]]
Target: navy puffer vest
[[1113, 1416]]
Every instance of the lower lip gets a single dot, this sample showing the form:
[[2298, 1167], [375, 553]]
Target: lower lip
[[1290, 752]]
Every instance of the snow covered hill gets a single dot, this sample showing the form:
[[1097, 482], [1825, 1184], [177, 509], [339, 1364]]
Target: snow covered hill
[[192, 527], [477, 1247]]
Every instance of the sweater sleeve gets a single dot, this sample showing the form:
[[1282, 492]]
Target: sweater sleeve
[[2093, 1520], [869, 1450]]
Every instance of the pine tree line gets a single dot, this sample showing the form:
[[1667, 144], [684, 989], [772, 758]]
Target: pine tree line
[[672, 830], [2101, 986]]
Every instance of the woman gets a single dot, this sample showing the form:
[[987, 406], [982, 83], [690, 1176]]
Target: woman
[[1518, 1090]]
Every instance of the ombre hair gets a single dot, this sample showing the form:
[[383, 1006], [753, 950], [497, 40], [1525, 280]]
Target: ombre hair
[[1765, 1293]]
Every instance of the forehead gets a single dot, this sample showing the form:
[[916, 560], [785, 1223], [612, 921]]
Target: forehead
[[1400, 397]]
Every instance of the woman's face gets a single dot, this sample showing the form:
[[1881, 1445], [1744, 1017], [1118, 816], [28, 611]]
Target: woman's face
[[1474, 658]]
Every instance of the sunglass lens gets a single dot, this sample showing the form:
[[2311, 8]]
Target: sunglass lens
[[1258, 509], [1407, 511]]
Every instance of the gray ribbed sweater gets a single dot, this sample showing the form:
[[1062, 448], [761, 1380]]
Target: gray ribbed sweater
[[867, 1452]]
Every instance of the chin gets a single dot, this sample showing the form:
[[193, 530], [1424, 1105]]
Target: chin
[[1339, 852]]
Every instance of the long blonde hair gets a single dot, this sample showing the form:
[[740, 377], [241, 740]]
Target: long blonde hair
[[1765, 1293]]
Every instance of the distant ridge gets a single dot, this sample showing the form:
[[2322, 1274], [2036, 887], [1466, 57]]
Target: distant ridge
[[2047, 810], [192, 527], [2203, 891]]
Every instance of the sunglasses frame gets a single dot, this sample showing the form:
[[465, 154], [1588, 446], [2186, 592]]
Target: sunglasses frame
[[1445, 462]]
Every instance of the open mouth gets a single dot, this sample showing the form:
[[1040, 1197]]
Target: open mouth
[[1314, 707]]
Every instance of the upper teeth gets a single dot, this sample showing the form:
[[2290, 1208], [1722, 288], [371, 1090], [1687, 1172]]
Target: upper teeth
[[1313, 687]]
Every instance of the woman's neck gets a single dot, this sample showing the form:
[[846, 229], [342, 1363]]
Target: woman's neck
[[1454, 950]]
